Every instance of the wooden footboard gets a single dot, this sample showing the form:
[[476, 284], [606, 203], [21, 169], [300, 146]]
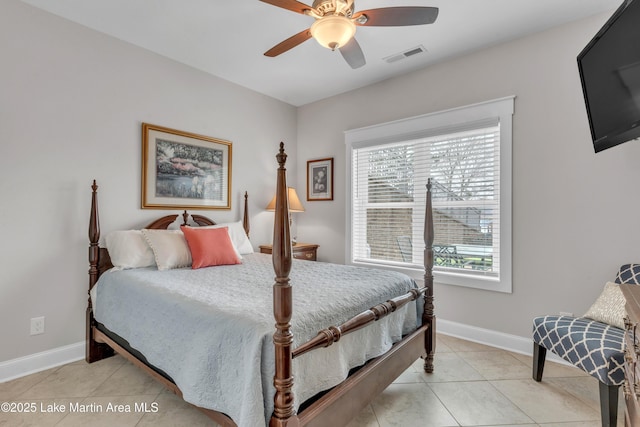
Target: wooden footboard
[[338, 406], [348, 399]]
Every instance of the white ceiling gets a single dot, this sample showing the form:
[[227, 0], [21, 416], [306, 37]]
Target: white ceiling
[[227, 38]]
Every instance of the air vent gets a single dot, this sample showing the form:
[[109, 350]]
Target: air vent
[[407, 53]]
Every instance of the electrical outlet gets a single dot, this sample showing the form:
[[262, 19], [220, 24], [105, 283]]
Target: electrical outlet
[[566, 313], [37, 325]]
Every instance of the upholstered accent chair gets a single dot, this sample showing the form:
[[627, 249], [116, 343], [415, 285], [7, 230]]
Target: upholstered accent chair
[[593, 346]]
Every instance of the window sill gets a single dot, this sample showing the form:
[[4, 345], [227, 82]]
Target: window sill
[[486, 283]]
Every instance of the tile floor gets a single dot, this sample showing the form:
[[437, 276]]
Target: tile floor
[[473, 385]]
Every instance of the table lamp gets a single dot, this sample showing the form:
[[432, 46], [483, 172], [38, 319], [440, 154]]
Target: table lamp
[[294, 206]]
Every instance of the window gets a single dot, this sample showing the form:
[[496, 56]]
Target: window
[[466, 152]]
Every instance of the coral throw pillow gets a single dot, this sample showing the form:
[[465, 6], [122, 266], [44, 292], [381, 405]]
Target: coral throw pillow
[[210, 247]]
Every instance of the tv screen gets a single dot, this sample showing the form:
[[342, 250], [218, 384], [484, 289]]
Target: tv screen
[[610, 74]]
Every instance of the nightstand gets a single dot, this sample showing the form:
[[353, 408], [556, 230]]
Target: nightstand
[[306, 251]]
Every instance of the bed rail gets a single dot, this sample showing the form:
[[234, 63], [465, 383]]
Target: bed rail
[[332, 334]]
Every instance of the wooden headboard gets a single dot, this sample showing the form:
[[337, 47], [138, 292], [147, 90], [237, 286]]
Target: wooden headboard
[[99, 259]]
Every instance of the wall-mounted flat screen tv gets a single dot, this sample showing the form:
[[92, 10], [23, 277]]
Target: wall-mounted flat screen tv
[[610, 73]]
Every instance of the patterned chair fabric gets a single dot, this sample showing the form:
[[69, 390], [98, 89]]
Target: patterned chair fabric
[[629, 273], [595, 347]]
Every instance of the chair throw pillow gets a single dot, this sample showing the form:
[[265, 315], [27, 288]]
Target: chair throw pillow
[[609, 307]]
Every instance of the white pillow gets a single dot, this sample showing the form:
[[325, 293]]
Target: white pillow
[[238, 236], [128, 249], [609, 307], [170, 248]]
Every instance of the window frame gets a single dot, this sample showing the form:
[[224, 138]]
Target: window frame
[[439, 123]]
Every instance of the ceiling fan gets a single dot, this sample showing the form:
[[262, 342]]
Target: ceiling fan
[[335, 24]]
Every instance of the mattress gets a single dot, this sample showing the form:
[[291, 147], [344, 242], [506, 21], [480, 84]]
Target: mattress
[[211, 329]]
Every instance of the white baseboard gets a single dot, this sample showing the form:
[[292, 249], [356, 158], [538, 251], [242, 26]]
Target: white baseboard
[[22, 366], [16, 368], [492, 338]]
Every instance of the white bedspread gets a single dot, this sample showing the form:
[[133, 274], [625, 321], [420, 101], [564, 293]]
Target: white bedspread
[[211, 329]]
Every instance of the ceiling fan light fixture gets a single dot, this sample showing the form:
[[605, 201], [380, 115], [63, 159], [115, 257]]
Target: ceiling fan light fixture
[[333, 31]]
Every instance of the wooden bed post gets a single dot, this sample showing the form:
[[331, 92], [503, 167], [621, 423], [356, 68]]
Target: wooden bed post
[[284, 414], [93, 350], [245, 217], [428, 316], [94, 237]]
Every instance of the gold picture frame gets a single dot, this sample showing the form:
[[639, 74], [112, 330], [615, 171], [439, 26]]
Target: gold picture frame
[[320, 179], [182, 170]]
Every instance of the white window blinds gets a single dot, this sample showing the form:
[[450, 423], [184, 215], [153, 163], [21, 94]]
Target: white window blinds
[[466, 152], [389, 197]]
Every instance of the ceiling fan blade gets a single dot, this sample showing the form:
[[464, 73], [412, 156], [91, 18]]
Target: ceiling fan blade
[[396, 16], [352, 53], [289, 43], [292, 5]]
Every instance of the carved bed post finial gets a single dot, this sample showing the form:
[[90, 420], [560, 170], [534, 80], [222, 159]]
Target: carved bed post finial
[[428, 315], [185, 217], [281, 156], [283, 412]]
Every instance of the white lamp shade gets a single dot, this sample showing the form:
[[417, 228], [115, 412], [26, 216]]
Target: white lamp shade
[[333, 31], [294, 202]]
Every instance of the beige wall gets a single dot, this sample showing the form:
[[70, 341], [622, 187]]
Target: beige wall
[[574, 212], [71, 106]]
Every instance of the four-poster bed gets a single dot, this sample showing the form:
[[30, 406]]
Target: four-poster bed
[[388, 328]]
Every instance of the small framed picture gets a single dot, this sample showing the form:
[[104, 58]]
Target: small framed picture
[[320, 179], [184, 170]]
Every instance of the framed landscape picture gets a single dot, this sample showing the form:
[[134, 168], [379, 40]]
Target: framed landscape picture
[[182, 170], [320, 179]]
